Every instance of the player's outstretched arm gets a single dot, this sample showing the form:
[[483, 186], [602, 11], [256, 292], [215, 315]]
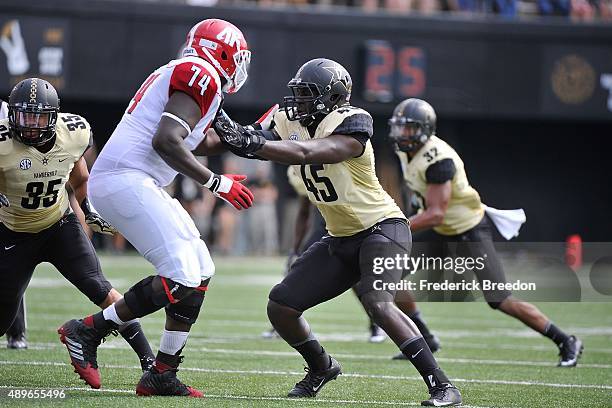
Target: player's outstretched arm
[[265, 144], [78, 182], [332, 149]]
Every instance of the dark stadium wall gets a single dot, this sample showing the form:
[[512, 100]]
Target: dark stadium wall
[[526, 104]]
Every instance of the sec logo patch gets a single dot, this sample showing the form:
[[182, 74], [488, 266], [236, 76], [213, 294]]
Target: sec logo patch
[[25, 164]]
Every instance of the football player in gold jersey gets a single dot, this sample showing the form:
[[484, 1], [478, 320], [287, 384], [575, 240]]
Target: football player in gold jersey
[[451, 212], [330, 140], [40, 151]]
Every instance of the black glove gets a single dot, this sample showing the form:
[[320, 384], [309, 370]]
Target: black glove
[[4, 202], [94, 221], [238, 138]]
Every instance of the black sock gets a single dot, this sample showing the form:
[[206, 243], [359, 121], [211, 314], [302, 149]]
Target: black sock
[[420, 356], [165, 361], [555, 334], [315, 355], [420, 323], [100, 323], [133, 334]]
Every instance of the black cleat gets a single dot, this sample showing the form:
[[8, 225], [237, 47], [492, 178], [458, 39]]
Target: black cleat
[[315, 380], [432, 341], [17, 342], [570, 352], [82, 342], [444, 395], [154, 382]]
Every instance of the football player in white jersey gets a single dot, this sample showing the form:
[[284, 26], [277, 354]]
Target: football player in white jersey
[[330, 140], [16, 334], [156, 139], [41, 150], [452, 218]]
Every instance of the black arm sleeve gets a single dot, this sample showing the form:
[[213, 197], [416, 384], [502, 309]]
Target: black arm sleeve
[[440, 172], [359, 126]]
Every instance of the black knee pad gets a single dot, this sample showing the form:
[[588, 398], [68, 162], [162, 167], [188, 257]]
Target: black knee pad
[[188, 309], [152, 293]]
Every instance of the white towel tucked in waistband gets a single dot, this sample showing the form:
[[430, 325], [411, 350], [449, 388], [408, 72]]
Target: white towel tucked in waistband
[[508, 222]]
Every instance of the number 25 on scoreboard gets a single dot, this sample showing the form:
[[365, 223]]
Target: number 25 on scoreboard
[[390, 74]]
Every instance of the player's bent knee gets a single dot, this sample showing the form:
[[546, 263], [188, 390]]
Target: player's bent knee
[[188, 309], [153, 293], [378, 304], [283, 295], [279, 311]]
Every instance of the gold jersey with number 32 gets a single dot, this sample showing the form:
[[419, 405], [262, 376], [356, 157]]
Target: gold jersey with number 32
[[348, 194], [35, 182], [465, 209]]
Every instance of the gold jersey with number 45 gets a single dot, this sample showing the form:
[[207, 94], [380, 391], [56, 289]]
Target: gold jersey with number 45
[[465, 210], [348, 194], [35, 182]]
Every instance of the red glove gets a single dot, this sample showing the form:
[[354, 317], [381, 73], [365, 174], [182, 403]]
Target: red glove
[[266, 122], [228, 188]]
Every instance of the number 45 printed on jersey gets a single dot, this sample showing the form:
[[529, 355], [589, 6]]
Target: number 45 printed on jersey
[[198, 83]]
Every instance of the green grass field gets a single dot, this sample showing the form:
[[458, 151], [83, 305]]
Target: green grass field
[[494, 360]]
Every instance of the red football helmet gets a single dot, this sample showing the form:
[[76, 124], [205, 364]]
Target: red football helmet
[[223, 45]]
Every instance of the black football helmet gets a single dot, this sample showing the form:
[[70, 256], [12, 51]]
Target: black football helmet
[[33, 109], [320, 86], [412, 124]]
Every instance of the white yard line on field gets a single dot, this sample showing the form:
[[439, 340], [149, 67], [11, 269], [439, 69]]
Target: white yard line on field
[[352, 375], [275, 353]]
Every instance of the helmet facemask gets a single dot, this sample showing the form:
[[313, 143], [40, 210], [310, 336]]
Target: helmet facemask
[[408, 135], [242, 61], [309, 103], [32, 124]]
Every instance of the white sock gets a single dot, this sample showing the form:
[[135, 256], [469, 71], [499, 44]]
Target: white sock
[[111, 314], [172, 341]]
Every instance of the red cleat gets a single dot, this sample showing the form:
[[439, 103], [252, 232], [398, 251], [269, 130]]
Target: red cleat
[[82, 343]]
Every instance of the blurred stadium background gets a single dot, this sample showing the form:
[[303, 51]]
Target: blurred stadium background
[[523, 91]]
